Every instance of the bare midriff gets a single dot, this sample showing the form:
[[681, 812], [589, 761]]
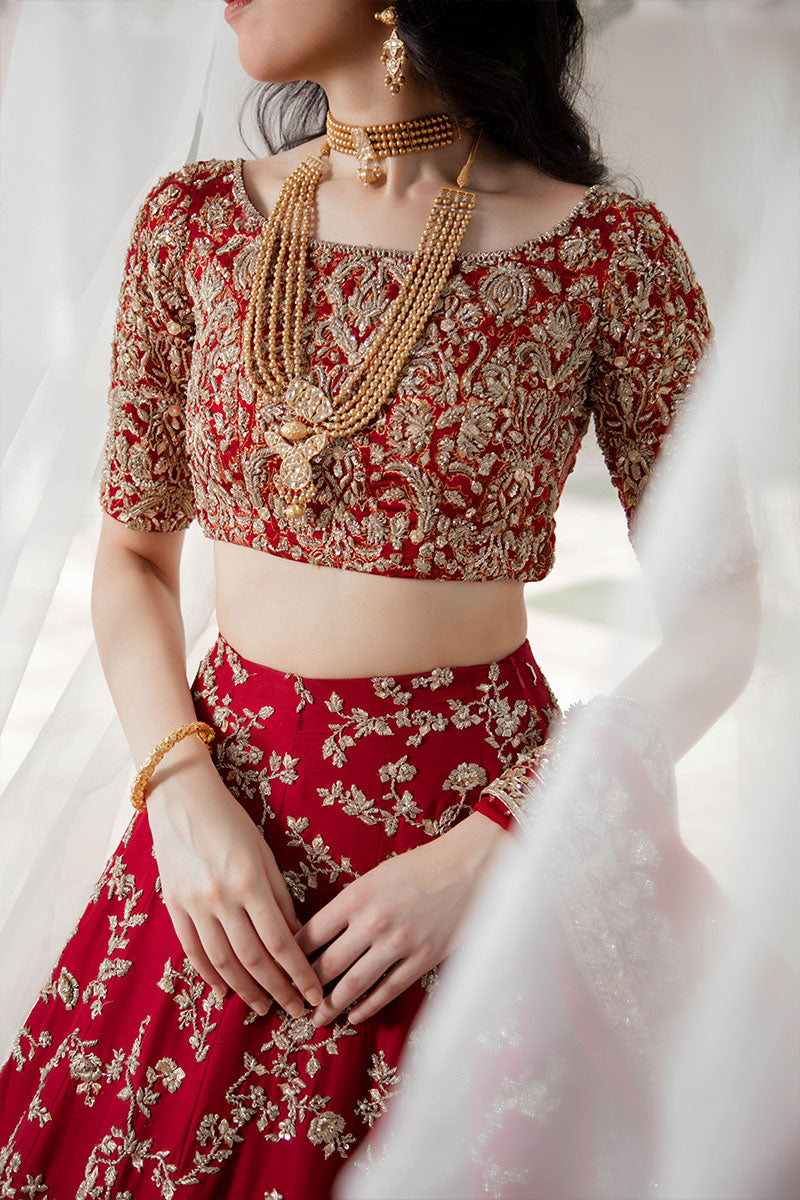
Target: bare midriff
[[324, 623]]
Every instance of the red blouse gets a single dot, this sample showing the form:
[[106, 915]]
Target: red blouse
[[459, 476]]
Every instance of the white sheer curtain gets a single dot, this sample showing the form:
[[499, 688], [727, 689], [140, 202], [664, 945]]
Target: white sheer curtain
[[103, 96]]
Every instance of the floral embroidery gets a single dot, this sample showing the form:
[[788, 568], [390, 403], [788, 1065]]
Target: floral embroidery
[[188, 998], [66, 987], [34, 1187], [460, 474], [122, 885], [319, 860], [358, 724], [387, 1083], [237, 758], [24, 1035], [463, 779], [179, 1082]]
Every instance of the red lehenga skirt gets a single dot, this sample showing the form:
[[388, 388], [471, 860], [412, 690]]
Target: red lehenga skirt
[[130, 1079]]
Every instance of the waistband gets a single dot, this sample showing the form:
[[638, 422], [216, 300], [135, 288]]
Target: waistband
[[440, 683]]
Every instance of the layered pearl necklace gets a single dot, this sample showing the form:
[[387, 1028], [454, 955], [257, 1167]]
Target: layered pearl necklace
[[274, 360]]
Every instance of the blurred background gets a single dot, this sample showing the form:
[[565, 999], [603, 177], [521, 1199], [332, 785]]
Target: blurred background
[[100, 98]]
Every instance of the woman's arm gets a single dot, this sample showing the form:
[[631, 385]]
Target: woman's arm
[[703, 662], [654, 333], [138, 626], [227, 899]]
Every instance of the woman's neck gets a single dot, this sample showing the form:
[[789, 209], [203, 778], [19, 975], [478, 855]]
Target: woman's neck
[[359, 97]]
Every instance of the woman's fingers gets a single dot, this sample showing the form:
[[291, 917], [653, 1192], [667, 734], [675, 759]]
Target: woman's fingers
[[262, 963], [351, 944], [353, 985], [220, 953], [401, 976], [329, 921], [280, 891], [225, 960], [193, 949], [279, 940]]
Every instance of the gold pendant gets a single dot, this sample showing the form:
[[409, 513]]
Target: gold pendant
[[308, 402], [294, 431], [294, 479], [297, 443], [368, 169], [295, 470]]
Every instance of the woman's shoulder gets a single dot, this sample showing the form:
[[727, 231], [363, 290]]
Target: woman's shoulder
[[639, 227], [174, 193], [188, 179], [649, 275], [191, 199], [644, 247]]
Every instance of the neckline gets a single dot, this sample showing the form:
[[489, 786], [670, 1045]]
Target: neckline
[[246, 206]]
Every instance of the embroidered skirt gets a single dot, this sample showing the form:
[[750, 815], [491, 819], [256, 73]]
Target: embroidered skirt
[[130, 1078]]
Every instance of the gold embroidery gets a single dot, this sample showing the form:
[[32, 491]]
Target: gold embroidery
[[358, 724], [121, 885], [387, 1083], [32, 1187], [303, 693], [121, 1144], [239, 762], [187, 999], [66, 988], [20, 1058], [319, 860], [460, 475], [248, 1101], [430, 980], [278, 1093], [462, 779]]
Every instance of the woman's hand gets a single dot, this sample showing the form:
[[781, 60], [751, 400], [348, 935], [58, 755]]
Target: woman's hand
[[404, 913], [228, 901]]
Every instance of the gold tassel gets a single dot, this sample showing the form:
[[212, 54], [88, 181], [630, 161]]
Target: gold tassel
[[463, 175]]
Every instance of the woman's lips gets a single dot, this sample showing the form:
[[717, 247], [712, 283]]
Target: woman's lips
[[233, 7]]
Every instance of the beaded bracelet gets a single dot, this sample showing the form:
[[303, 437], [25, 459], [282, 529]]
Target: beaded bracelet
[[154, 757]]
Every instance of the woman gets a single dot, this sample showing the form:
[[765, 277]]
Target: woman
[[231, 1009]]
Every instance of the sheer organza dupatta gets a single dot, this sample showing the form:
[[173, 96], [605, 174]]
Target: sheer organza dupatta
[[618, 1022]]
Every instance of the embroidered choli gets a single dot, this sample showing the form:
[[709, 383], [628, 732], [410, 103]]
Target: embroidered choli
[[460, 474]]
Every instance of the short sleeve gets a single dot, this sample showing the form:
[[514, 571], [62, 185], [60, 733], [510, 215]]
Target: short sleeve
[[653, 333], [145, 476]]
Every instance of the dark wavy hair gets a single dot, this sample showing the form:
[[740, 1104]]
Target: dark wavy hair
[[513, 65]]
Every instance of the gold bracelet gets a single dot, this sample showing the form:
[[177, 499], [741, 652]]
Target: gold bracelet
[[154, 757]]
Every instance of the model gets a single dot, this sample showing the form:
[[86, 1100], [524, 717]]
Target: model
[[364, 364]]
